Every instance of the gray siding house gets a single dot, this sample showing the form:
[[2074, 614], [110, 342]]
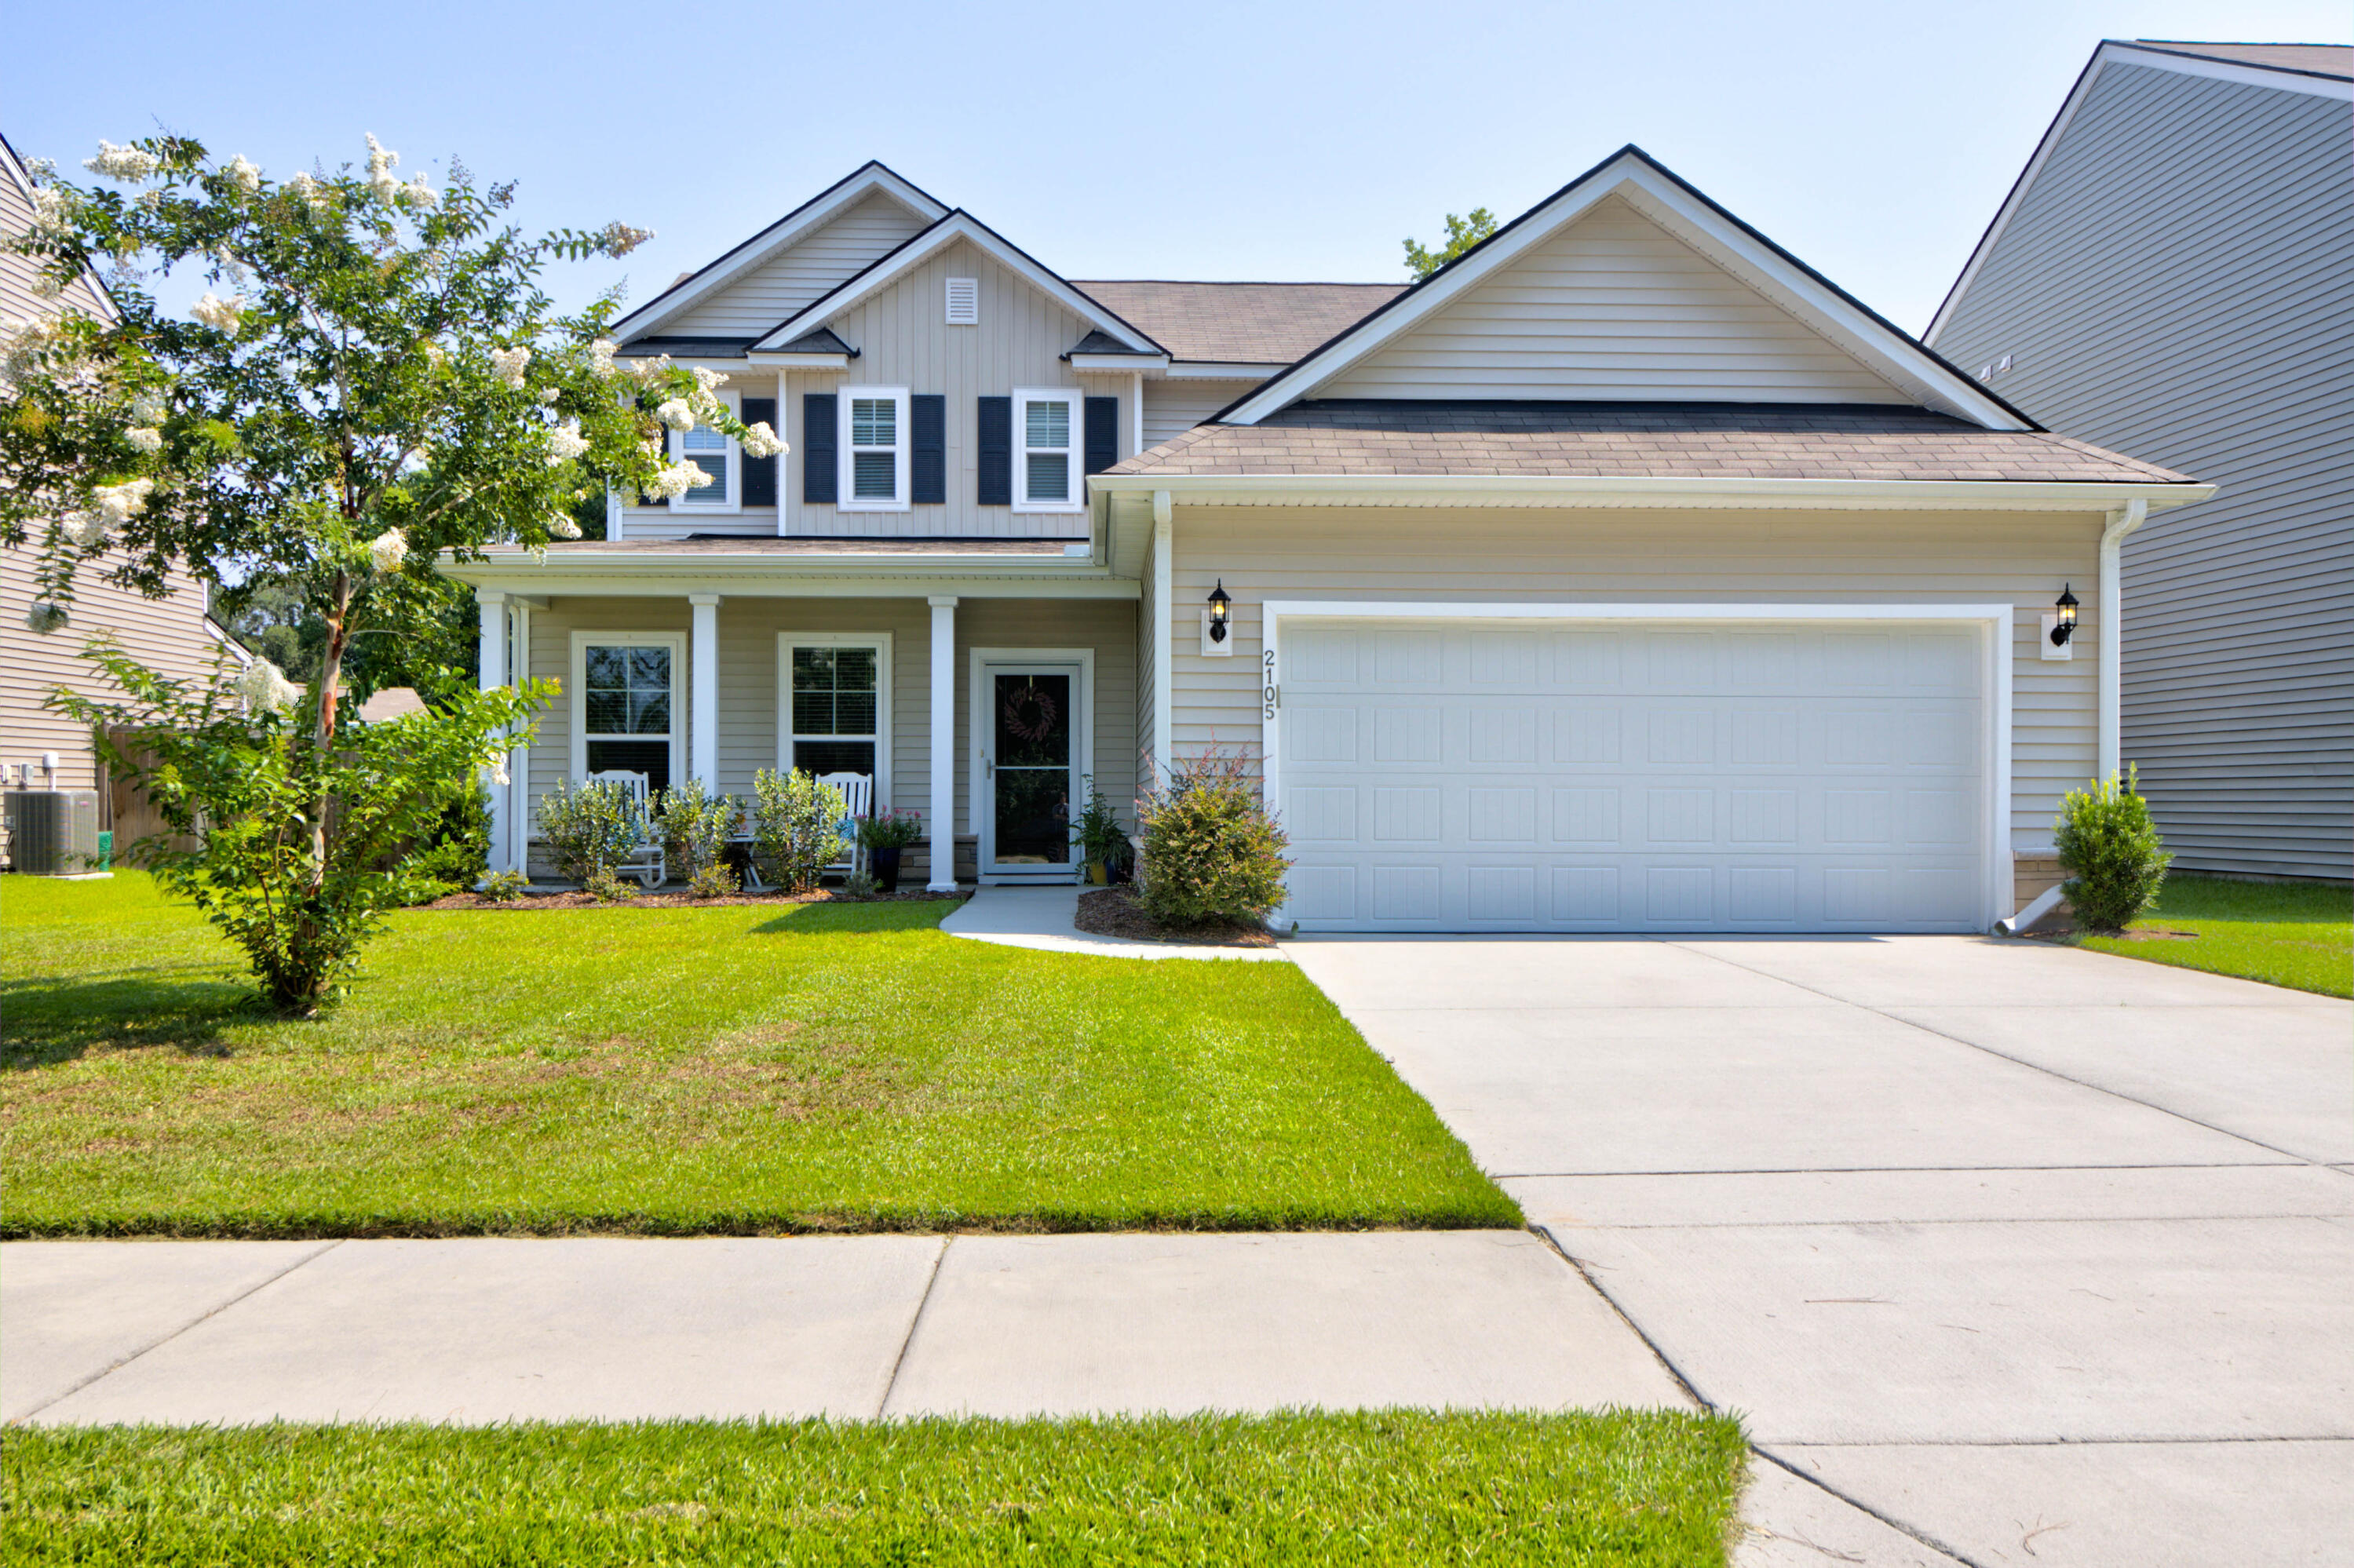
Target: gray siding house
[[2173, 276]]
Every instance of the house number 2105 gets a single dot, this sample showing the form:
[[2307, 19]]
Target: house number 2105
[[1267, 692]]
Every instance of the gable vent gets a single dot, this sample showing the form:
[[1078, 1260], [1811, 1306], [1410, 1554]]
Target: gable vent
[[964, 302]]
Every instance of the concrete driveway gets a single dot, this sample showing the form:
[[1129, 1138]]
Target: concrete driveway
[[2007, 1253]]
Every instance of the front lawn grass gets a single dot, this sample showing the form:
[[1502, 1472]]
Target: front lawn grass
[[826, 1067], [2295, 934], [1620, 1487]]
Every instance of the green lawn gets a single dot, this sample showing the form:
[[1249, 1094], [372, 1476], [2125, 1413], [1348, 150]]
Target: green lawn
[[1621, 1488], [728, 1069], [2299, 935]]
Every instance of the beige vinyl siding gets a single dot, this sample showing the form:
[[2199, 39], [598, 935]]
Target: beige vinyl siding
[[1862, 558], [820, 262], [2178, 283], [1612, 307], [748, 696], [1171, 408]]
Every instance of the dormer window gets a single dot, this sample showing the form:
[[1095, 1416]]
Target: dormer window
[[716, 454], [873, 448], [1046, 468], [964, 302]]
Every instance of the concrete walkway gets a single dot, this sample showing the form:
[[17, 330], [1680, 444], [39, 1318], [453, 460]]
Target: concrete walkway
[[1043, 917], [488, 1329], [2008, 1253]]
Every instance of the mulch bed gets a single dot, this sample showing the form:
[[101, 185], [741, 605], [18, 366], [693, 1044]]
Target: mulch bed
[[573, 898], [2061, 930], [1117, 912]]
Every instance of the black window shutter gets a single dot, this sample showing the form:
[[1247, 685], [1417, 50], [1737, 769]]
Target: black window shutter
[[1103, 433], [928, 448], [818, 475], [993, 442], [759, 473]]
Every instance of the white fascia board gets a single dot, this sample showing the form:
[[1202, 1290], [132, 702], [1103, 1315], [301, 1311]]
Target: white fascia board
[[798, 361], [1219, 370], [777, 237], [2113, 52], [1878, 346], [957, 224], [1502, 490], [654, 573], [1121, 364]]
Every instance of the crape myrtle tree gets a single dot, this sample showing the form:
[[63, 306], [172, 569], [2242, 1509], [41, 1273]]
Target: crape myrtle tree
[[373, 381]]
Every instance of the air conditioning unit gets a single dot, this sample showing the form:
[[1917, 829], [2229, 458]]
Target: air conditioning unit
[[51, 832]]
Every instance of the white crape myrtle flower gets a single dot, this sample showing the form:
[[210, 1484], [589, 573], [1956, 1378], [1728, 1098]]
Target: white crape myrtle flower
[[499, 774], [420, 194], [86, 529], [618, 239], [144, 438], [125, 164], [674, 413], [548, 394], [388, 551], [566, 442], [435, 354], [560, 526], [221, 314], [53, 209], [381, 179], [600, 356], [247, 174], [509, 363], [266, 689], [148, 406], [47, 287], [309, 188], [674, 480], [119, 503], [759, 441], [47, 616]]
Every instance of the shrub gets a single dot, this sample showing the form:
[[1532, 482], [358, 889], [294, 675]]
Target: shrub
[[858, 884], [713, 882], [796, 827], [591, 828], [504, 886], [695, 828], [607, 889], [1212, 853], [2111, 849], [459, 849]]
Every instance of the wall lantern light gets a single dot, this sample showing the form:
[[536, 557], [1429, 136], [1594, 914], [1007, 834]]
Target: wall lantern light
[[1221, 606], [2063, 625]]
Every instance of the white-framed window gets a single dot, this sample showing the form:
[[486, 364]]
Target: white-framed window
[[873, 448], [1048, 437], [629, 705], [964, 302], [716, 454], [833, 691]]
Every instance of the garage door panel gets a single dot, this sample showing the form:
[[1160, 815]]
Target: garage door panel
[[1760, 777]]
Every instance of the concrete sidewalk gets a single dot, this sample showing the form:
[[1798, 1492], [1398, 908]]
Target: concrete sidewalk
[[1044, 918], [488, 1329]]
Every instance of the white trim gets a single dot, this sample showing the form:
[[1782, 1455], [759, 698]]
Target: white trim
[[1996, 620], [1134, 418], [969, 288], [1881, 348], [490, 671], [2114, 52], [1074, 401], [732, 459], [518, 821], [1164, 657], [1220, 370], [1582, 490], [844, 498], [979, 797], [702, 685], [956, 226], [799, 361], [770, 242], [939, 828], [674, 640], [878, 640], [1121, 364]]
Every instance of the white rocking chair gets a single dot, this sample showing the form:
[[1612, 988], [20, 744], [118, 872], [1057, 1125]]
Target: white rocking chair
[[858, 799], [646, 863]]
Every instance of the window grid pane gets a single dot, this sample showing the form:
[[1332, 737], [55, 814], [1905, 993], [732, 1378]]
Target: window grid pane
[[1050, 476], [625, 690], [835, 693], [1048, 425], [873, 422]]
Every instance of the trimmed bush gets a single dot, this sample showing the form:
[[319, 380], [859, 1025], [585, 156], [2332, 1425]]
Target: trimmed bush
[[590, 829], [2111, 849], [696, 827], [1212, 853], [797, 825]]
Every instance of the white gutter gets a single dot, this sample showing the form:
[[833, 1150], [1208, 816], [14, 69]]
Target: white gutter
[[1583, 490], [2113, 630], [2042, 903]]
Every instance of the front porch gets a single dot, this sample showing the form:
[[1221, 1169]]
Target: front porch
[[985, 687]]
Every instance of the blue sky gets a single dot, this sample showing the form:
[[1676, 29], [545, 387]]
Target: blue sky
[[1214, 140]]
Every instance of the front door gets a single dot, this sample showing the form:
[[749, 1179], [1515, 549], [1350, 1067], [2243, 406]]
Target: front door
[[1028, 768]]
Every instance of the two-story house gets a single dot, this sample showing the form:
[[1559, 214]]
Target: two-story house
[[1625, 573]]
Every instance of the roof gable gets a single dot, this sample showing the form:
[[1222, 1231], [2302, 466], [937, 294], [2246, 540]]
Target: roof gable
[[1600, 291], [954, 227], [806, 253]]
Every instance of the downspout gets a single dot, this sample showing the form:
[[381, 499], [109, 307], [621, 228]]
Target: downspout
[[2113, 633]]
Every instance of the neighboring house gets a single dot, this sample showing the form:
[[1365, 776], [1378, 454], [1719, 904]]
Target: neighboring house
[[172, 635], [2173, 274], [1622, 575]]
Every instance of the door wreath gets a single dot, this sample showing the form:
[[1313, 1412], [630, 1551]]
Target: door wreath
[[1030, 712]]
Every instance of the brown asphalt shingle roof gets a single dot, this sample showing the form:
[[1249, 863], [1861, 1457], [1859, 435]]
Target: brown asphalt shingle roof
[[1678, 441], [1250, 323]]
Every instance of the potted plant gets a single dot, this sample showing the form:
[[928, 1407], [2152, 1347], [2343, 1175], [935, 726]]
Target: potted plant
[[1103, 843], [883, 838]]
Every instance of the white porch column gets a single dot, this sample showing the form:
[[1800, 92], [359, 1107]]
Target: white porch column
[[702, 708], [943, 812], [491, 668]]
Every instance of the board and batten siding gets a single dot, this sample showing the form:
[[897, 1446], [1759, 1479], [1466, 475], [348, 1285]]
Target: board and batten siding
[[818, 262], [1582, 556], [1612, 307], [748, 696], [2177, 283]]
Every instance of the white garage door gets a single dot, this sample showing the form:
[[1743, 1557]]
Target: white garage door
[[1811, 776]]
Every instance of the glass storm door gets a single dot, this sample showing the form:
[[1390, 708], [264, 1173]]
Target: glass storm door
[[1027, 767]]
